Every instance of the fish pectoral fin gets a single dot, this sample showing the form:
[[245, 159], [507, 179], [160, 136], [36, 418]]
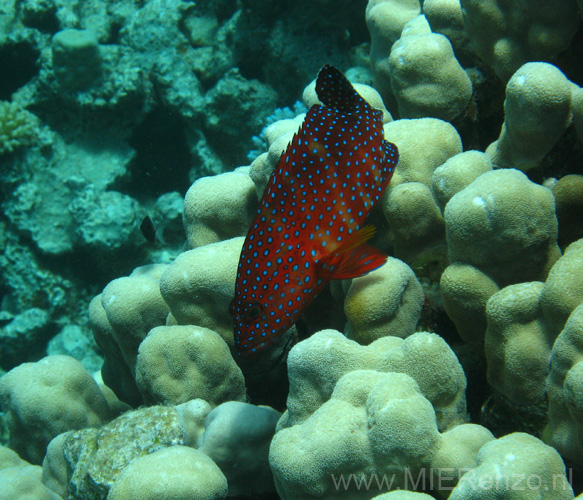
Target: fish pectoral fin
[[353, 258]]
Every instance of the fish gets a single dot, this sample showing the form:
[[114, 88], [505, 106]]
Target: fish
[[150, 233], [310, 227]]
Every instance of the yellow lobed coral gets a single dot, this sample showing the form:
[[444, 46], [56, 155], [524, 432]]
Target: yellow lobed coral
[[63, 396], [173, 473], [199, 285], [565, 390], [537, 110], [17, 127], [387, 301], [317, 363], [375, 425], [179, 363], [219, 207]]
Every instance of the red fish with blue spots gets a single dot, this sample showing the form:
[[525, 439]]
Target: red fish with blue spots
[[308, 229]]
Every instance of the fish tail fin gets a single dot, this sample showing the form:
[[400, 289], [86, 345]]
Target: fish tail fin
[[353, 258]]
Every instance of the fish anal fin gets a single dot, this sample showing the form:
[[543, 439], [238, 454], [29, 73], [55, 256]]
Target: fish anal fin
[[353, 258]]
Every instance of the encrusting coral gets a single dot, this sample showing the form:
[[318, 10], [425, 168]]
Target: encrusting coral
[[199, 285], [515, 456], [316, 364], [508, 34], [533, 347]]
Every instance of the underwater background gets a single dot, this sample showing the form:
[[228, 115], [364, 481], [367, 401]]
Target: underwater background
[[136, 138]]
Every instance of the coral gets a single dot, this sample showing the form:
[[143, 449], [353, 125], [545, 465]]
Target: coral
[[106, 221], [501, 230], [515, 457], [387, 301], [91, 460], [219, 207], [76, 341], [9, 458], [424, 144], [508, 34], [76, 58], [24, 483], [182, 91], [231, 102], [137, 100], [64, 396], [446, 17], [565, 390], [537, 110], [466, 290], [457, 173], [121, 317], [316, 364], [21, 481], [505, 225], [178, 363], [237, 437], [174, 473], [385, 20], [231, 441], [17, 127], [563, 290], [518, 343], [382, 426], [402, 495], [568, 192], [61, 208], [133, 306], [415, 221], [577, 108], [199, 285], [524, 321], [426, 78], [23, 334]]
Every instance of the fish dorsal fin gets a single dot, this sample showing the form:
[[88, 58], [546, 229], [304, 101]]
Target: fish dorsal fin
[[335, 91], [353, 258]]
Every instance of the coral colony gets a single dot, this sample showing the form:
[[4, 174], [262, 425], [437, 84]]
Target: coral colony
[[211, 292]]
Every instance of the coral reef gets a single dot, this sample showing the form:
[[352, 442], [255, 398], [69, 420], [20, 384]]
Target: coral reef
[[454, 370]]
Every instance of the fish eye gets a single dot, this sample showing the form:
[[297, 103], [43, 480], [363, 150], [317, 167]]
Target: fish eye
[[254, 311]]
